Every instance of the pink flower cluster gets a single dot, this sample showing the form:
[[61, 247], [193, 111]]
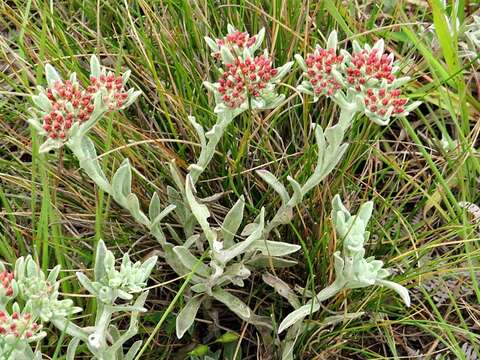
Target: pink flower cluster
[[69, 103], [368, 74], [379, 101], [6, 282], [237, 39], [366, 65], [113, 88], [319, 71], [245, 78], [20, 326]]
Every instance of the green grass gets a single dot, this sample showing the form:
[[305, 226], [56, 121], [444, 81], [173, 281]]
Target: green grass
[[53, 211]]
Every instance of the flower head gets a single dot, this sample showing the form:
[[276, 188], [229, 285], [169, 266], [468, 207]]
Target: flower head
[[369, 64], [248, 81], [372, 76], [244, 79], [320, 72], [68, 103], [364, 80], [19, 326], [66, 106], [39, 292], [235, 43]]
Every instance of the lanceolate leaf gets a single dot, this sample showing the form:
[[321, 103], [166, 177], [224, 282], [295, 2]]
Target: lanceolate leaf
[[186, 317], [399, 289], [200, 212], [271, 180], [190, 261], [232, 222], [224, 256], [298, 315], [155, 207], [122, 182], [274, 248], [101, 252], [233, 303]]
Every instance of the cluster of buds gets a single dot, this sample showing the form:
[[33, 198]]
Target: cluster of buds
[[352, 269], [364, 80], [116, 283], [247, 81], [41, 292], [6, 284], [321, 68], [384, 102], [245, 78], [130, 278], [235, 43], [20, 326], [66, 109], [112, 87], [69, 103], [366, 65]]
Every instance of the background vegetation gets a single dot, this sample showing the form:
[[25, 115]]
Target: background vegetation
[[53, 211]]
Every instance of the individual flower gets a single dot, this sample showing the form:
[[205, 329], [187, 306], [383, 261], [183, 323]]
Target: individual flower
[[248, 82], [235, 43]]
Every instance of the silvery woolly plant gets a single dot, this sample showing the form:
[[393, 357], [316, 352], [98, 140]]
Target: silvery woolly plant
[[40, 295], [66, 111], [352, 269], [214, 257], [247, 82]]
